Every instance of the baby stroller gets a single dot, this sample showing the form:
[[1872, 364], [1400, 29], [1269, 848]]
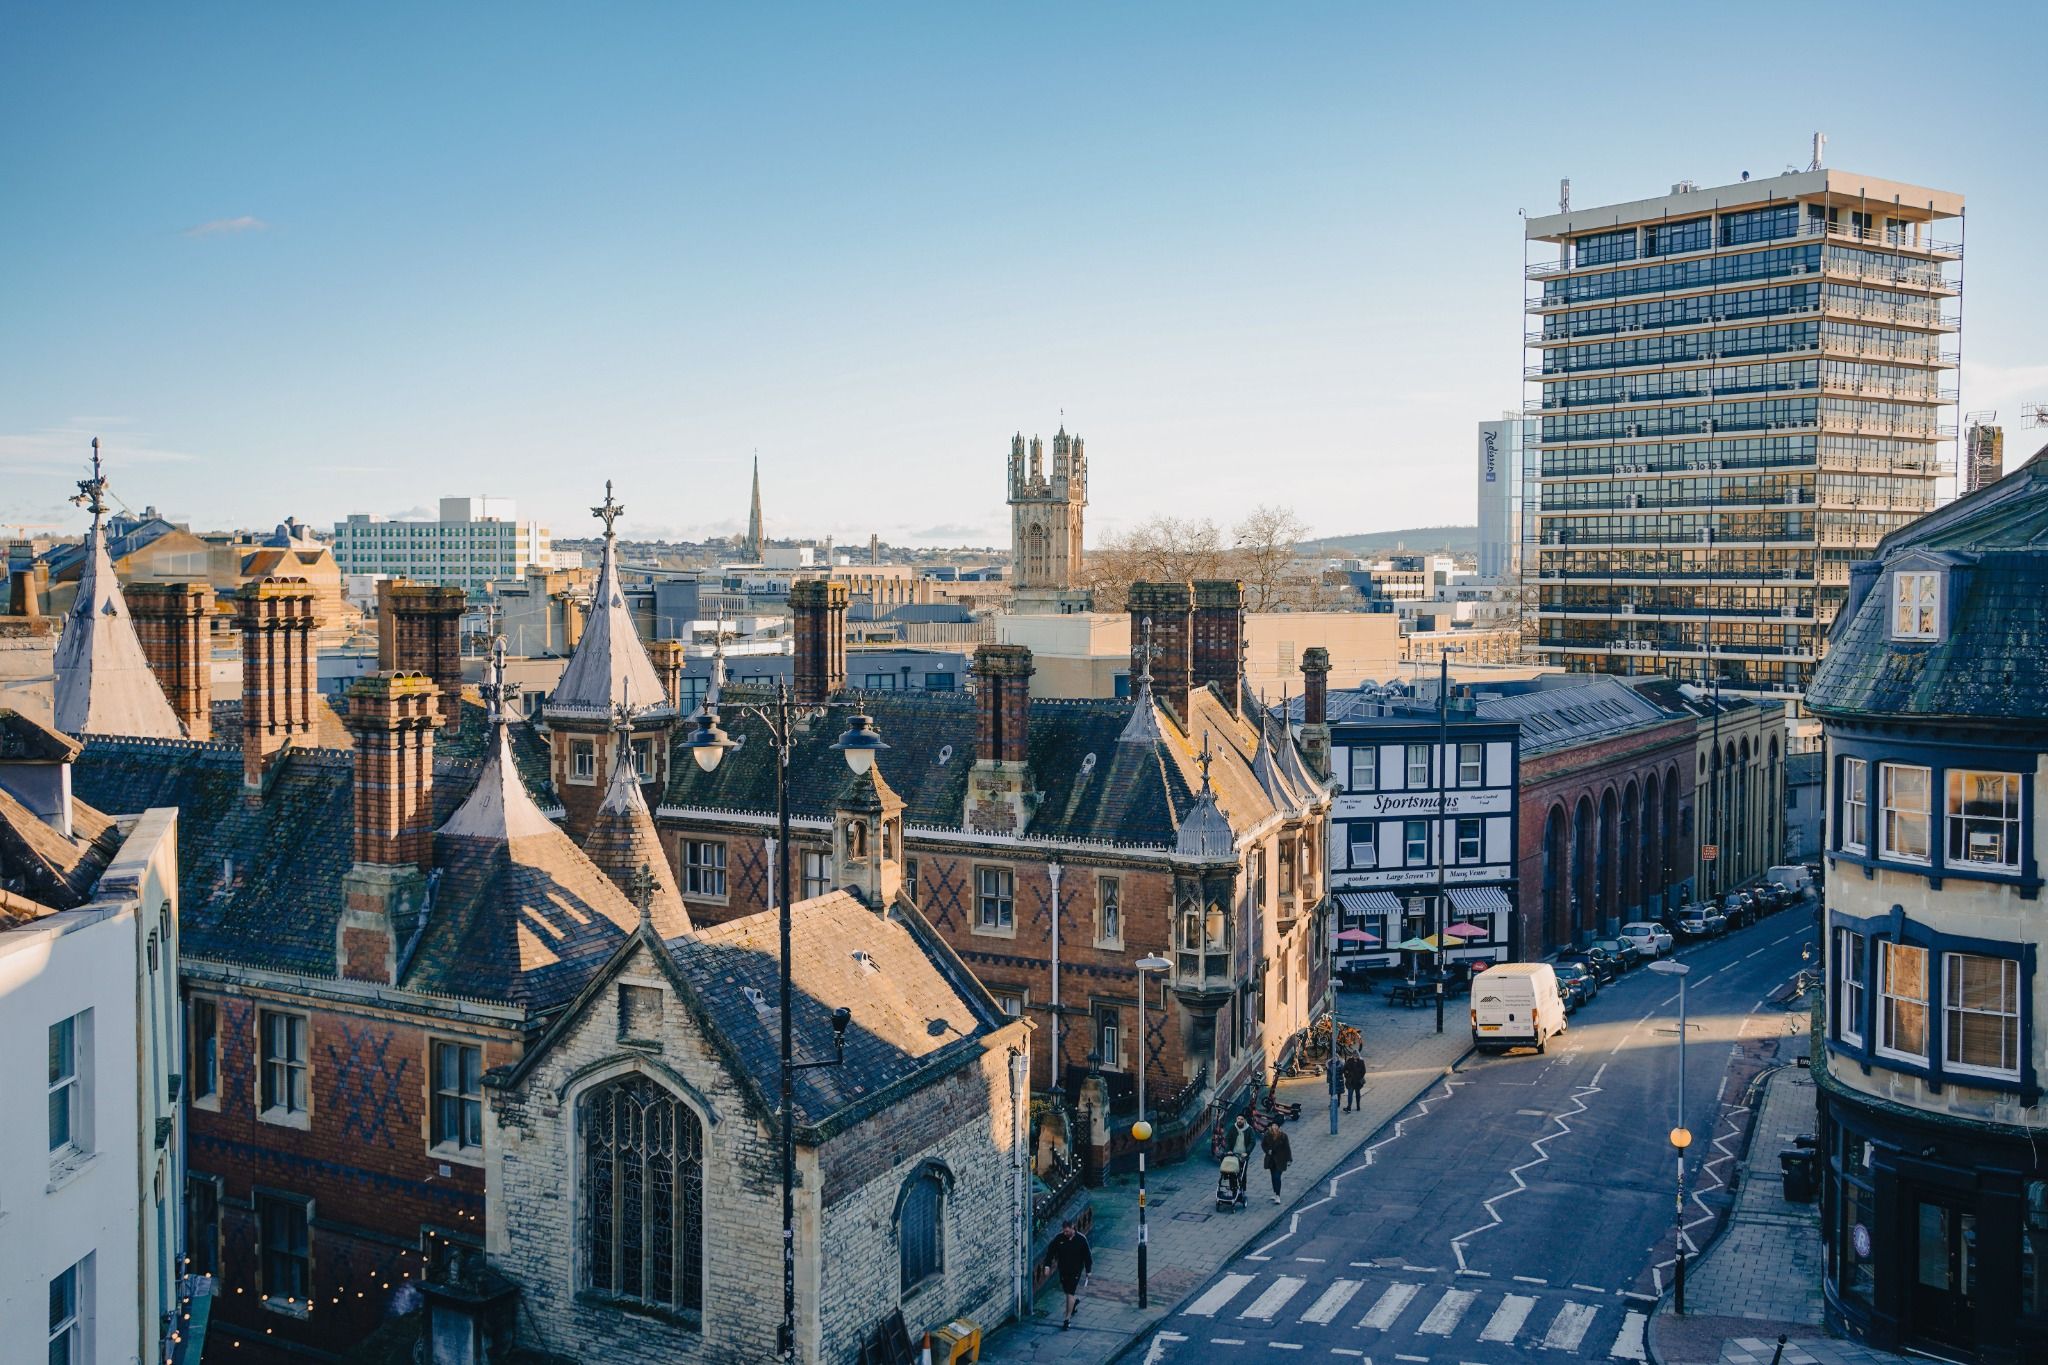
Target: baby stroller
[[1230, 1183]]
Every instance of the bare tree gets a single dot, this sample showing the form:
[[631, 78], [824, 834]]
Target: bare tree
[[1263, 551], [1161, 550]]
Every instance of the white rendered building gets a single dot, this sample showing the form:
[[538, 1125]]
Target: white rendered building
[[475, 541]]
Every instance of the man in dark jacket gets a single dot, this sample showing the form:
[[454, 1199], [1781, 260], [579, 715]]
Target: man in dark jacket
[[1354, 1081], [1279, 1153], [1069, 1254]]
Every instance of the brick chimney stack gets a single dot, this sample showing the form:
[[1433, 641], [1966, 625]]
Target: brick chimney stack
[[668, 658], [1002, 704], [393, 716], [1217, 654], [172, 622], [1171, 607], [419, 630], [279, 678], [818, 608], [1315, 708]]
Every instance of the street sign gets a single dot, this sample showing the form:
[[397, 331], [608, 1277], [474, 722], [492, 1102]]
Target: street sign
[[1709, 852]]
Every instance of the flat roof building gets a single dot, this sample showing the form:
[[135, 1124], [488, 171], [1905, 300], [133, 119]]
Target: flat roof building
[[1741, 395]]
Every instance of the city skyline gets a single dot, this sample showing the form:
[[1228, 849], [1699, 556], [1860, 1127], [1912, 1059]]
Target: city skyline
[[870, 249]]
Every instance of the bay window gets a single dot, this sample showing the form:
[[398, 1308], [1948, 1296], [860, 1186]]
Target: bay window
[[1983, 819], [1905, 811], [1902, 1001]]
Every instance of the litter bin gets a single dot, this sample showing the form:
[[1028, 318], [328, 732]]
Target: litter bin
[[1801, 1184]]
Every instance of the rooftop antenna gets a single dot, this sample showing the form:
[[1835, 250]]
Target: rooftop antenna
[[1564, 195], [1820, 151], [2034, 414]]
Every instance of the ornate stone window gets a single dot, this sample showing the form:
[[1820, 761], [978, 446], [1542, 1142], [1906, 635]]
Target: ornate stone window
[[920, 1227], [640, 1188]]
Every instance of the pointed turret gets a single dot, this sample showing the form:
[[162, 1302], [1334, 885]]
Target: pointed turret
[[1143, 726], [1206, 832], [104, 682], [756, 541], [623, 841]]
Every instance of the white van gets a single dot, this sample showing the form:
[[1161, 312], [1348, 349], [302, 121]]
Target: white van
[[1792, 876], [1516, 1004]]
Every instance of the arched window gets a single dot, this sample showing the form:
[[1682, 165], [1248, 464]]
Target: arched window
[[920, 1225], [642, 1196]]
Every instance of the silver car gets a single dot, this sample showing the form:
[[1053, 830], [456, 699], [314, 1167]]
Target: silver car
[[1648, 938]]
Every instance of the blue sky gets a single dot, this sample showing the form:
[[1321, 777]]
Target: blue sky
[[311, 260]]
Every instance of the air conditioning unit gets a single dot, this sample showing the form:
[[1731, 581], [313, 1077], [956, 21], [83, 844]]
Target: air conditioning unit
[[1634, 429]]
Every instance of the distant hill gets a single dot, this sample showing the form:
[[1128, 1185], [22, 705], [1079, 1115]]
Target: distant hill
[[1456, 540]]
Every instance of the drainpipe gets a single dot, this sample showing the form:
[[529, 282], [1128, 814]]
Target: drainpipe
[[1052, 1070], [1020, 1095]]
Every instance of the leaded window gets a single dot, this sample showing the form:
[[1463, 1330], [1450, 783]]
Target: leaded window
[[920, 1231], [642, 1195]]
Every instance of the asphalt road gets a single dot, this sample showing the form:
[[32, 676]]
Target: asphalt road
[[1523, 1208]]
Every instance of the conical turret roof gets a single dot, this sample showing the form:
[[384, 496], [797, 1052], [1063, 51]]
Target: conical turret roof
[[104, 682], [609, 664], [622, 841]]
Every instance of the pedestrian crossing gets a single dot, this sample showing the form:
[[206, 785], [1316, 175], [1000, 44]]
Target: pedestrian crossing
[[1430, 1319]]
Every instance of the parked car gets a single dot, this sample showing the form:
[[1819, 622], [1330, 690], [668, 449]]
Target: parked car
[[1650, 938], [1740, 907], [1517, 1003], [1621, 950], [1699, 921], [1579, 982], [1602, 968]]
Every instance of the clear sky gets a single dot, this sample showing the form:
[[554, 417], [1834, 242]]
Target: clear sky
[[315, 259]]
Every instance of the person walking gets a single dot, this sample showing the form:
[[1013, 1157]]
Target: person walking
[[1070, 1256], [1279, 1153], [1354, 1081], [1241, 1148]]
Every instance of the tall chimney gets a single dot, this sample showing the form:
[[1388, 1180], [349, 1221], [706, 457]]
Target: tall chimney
[[668, 657], [1218, 650], [818, 606], [419, 630], [1002, 704], [1171, 609], [172, 621], [393, 716], [1315, 708], [279, 684]]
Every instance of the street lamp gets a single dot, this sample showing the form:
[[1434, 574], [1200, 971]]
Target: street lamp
[[859, 744], [1141, 1131], [1681, 1137]]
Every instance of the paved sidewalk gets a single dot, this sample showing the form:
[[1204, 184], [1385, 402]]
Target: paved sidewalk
[[1190, 1240], [1762, 1277]]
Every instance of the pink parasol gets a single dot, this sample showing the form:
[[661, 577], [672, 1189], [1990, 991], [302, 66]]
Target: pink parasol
[[1357, 936], [1463, 929]]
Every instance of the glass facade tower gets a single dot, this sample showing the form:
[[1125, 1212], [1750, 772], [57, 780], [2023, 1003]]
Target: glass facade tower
[[1742, 393]]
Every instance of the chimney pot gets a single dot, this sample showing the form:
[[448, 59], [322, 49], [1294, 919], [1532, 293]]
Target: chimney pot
[[279, 680], [173, 620], [1002, 704], [1217, 656], [419, 630], [1171, 607], [818, 612]]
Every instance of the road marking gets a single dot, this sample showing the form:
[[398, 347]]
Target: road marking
[[1218, 1294], [1332, 1302], [1647, 1300], [1448, 1310], [1421, 1269], [1589, 1288], [1569, 1327], [1478, 1274], [1629, 1345], [1362, 1265], [1541, 1147], [1277, 1294], [1758, 953], [1345, 1351], [1508, 1318], [1423, 1359], [1382, 1314], [1531, 1279], [1226, 1341], [1311, 1260], [1285, 1345], [1157, 1351]]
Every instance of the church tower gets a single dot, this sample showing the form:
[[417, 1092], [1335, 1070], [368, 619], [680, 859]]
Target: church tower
[[755, 542], [1045, 525]]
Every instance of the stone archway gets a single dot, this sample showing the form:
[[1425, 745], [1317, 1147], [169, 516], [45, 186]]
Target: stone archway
[[1556, 890]]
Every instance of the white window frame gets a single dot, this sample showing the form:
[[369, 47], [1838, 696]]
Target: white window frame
[[646, 759], [583, 762], [442, 1143], [1478, 847], [1887, 998], [1891, 847], [1419, 753], [299, 1067], [1854, 835], [1852, 985], [1953, 1012], [1408, 840], [1112, 1016], [70, 1094], [1957, 826], [1012, 1002], [73, 1329], [1916, 604], [1471, 765], [1365, 768], [815, 869], [995, 889], [704, 869], [1370, 843]]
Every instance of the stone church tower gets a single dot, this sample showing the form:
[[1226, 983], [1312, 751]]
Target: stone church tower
[[1045, 525]]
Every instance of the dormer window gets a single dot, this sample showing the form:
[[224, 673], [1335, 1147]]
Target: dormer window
[[1916, 605]]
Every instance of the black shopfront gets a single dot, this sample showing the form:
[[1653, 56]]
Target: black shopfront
[[1936, 1230]]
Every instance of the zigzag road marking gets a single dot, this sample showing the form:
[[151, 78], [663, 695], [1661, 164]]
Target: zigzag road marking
[[1422, 1108], [1578, 1097]]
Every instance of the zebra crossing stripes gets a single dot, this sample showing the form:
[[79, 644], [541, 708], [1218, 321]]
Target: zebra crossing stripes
[[1382, 1314], [1629, 1345], [1507, 1319], [1332, 1301], [1274, 1299], [1443, 1319], [1569, 1329], [1218, 1294]]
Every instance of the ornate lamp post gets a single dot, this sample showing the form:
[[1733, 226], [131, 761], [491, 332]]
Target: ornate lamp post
[[860, 743], [1141, 1131]]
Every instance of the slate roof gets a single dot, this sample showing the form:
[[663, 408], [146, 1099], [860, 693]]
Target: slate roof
[[622, 840], [916, 1009], [123, 538], [1092, 787], [38, 862], [609, 666], [1991, 663], [104, 684]]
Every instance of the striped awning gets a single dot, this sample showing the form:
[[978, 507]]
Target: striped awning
[[1480, 900], [1369, 902]]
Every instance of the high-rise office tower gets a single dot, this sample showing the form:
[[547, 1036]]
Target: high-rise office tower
[[1504, 447], [1742, 391], [1983, 459]]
